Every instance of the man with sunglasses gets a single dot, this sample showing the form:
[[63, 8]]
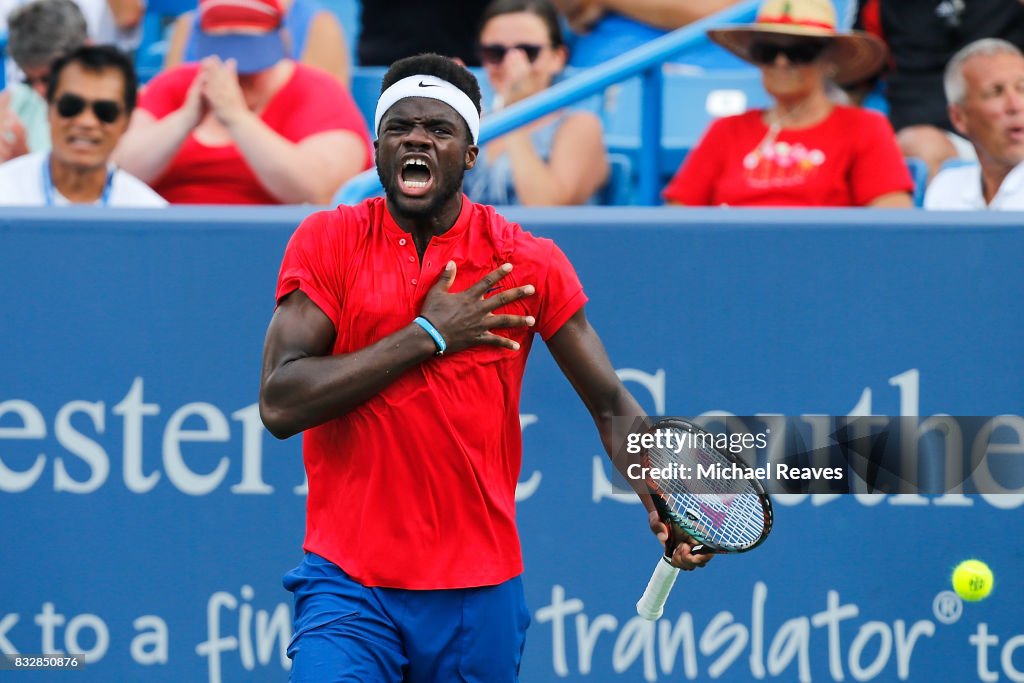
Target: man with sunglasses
[[38, 32], [90, 95]]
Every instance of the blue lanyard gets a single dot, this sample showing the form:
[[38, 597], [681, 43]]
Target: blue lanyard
[[48, 185]]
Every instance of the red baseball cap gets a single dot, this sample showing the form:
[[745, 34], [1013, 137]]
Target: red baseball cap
[[247, 31]]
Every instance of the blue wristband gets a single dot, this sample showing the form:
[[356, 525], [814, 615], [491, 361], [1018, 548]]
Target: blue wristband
[[434, 334]]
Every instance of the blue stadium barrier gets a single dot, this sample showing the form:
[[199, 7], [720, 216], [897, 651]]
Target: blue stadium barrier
[[148, 518]]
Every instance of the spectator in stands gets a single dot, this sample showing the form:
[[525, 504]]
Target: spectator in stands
[[315, 38], [91, 94], [115, 22], [247, 125], [922, 38], [559, 159], [985, 88], [392, 30], [805, 150], [607, 28], [39, 32]]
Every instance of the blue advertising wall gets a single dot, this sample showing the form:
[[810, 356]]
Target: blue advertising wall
[[148, 517]]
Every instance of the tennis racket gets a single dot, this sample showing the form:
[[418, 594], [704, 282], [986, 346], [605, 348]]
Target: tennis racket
[[721, 514]]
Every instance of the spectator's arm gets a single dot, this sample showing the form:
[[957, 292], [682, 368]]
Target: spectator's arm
[[180, 33], [309, 171], [127, 13], [666, 14], [892, 200], [577, 168], [150, 144], [13, 141], [326, 47]]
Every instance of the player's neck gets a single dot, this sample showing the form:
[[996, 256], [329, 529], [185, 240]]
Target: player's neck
[[424, 227], [78, 185]]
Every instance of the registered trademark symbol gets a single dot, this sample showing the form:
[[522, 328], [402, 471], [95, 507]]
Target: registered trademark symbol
[[947, 607]]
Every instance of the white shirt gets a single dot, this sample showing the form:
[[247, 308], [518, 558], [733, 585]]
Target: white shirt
[[21, 184], [959, 188]]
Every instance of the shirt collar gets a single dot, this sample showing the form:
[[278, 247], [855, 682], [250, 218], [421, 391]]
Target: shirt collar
[[453, 233], [1010, 186]]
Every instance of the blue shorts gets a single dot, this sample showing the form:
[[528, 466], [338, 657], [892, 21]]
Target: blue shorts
[[347, 632]]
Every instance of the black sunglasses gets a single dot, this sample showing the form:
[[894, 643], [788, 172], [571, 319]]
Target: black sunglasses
[[70, 105], [495, 54], [796, 53]]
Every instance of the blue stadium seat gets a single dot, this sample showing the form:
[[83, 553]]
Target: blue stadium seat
[[692, 99], [919, 173], [160, 14], [3, 59], [365, 90], [618, 191]]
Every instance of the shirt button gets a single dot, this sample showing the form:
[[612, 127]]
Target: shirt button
[[413, 280], [402, 241], [412, 259]]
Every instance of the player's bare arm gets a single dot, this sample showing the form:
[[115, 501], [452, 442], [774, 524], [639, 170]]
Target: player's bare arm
[[303, 385], [583, 360]]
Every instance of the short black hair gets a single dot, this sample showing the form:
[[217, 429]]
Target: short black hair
[[430, 64], [97, 58]]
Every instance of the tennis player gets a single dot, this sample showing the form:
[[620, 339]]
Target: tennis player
[[398, 346]]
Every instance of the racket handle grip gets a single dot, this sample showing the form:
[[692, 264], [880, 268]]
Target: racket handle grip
[[651, 605]]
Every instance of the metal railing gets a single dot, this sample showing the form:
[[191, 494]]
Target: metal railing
[[644, 61]]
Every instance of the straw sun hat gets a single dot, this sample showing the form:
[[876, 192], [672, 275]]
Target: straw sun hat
[[856, 55]]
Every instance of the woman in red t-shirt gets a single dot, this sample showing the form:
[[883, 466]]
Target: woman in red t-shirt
[[246, 125], [805, 150]]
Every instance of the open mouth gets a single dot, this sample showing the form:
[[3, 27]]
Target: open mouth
[[82, 143], [415, 176]]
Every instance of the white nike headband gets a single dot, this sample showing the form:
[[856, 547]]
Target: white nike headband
[[434, 88]]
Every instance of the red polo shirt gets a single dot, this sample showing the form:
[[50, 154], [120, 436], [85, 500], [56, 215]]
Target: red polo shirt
[[416, 487]]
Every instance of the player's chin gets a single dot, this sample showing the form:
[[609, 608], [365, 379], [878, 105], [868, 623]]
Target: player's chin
[[415, 205]]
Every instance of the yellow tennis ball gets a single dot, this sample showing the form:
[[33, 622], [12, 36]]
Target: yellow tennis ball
[[972, 580]]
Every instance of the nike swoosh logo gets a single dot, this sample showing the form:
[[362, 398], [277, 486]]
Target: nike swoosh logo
[[429, 85]]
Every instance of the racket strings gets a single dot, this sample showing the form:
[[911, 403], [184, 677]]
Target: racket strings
[[719, 509]]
